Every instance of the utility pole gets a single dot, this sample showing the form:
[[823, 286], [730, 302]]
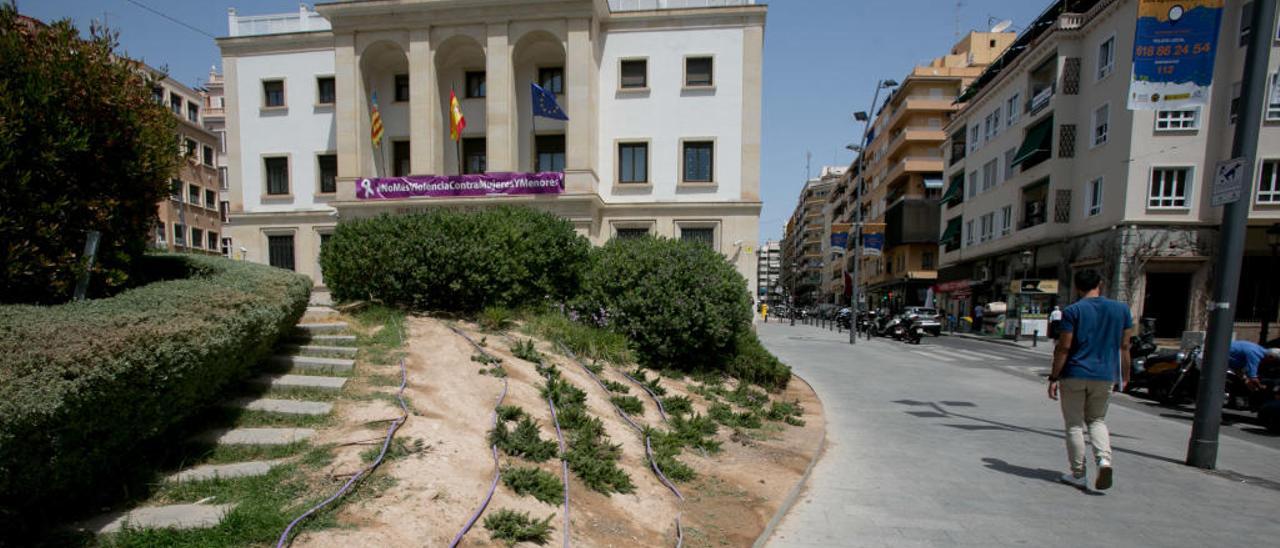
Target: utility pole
[[1202, 450]]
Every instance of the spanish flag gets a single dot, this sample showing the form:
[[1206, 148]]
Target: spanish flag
[[376, 121], [457, 122]]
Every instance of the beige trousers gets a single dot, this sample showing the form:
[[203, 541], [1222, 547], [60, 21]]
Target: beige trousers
[[1084, 405]]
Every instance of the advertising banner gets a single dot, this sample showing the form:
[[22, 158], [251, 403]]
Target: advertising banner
[[1173, 50], [453, 186], [872, 245], [840, 237]]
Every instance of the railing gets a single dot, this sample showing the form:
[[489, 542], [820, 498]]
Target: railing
[[302, 21], [1070, 21], [1040, 99], [641, 5]]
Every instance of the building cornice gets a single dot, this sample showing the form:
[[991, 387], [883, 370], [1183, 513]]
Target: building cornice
[[712, 17], [289, 42], [399, 14]]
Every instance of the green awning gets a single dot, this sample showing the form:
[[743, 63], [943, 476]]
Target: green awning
[[955, 192], [1039, 139], [953, 229]]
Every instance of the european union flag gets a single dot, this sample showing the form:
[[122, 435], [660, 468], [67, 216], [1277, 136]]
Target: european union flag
[[544, 104]]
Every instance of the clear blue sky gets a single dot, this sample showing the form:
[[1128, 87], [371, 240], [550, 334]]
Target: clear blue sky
[[822, 59]]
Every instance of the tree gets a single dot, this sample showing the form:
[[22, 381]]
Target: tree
[[83, 146]]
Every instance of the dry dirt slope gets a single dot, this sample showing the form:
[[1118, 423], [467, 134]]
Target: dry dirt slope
[[437, 489]]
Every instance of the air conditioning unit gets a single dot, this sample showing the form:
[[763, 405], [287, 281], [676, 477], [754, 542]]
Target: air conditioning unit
[[982, 273]]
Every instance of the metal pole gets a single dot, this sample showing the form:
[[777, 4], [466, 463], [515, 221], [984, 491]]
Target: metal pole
[[90, 253], [857, 207], [1269, 305], [1202, 449]]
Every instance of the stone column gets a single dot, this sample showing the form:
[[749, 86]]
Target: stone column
[[423, 114], [353, 162], [500, 106], [579, 80]]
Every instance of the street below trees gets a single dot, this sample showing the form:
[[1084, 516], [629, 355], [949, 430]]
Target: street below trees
[[954, 443]]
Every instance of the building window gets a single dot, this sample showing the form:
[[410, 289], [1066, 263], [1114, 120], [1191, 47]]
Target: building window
[[975, 137], [551, 79], [1273, 99], [226, 247], [207, 155], [402, 88], [1094, 204], [973, 183], [1006, 220], [193, 195], [160, 234], [1168, 188], [277, 175], [189, 148], [1035, 202], [326, 90], [697, 72], [991, 125], [474, 155], [702, 235], [990, 174], [1177, 120], [193, 112], [328, 164], [213, 240], [699, 161], [475, 84], [926, 260], [157, 95], [197, 238], [634, 73], [968, 233], [1101, 124], [988, 226], [550, 153], [400, 158], [175, 189], [633, 162], [273, 93], [280, 251], [210, 199], [179, 234], [1269, 183], [1009, 168], [631, 232], [224, 207], [222, 178], [1106, 57], [175, 103], [1013, 108]]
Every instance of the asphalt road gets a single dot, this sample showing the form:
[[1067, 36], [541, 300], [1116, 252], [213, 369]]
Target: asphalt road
[[954, 443]]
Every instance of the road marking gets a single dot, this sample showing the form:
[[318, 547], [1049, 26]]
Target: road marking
[[932, 356], [981, 355]]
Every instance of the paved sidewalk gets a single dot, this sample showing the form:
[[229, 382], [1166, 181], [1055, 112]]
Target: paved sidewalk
[[926, 453], [1043, 345]]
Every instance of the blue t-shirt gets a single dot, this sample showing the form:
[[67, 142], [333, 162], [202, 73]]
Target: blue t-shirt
[[1246, 356], [1098, 326]]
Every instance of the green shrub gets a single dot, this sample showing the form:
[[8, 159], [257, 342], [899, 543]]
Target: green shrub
[[83, 146], [512, 527], [615, 386], [677, 405], [681, 304], [590, 454], [653, 384], [527, 351], [628, 404], [587, 342], [459, 261], [84, 385], [495, 318], [523, 441], [535, 482], [751, 362], [725, 415]]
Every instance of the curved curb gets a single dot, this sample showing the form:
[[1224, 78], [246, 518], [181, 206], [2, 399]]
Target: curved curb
[[794, 494]]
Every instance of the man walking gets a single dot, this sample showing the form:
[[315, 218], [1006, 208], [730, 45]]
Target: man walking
[[1091, 355]]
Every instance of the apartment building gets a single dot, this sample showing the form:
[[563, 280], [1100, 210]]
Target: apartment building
[[1048, 172], [902, 179], [189, 220], [769, 273], [215, 120], [662, 99], [803, 246]]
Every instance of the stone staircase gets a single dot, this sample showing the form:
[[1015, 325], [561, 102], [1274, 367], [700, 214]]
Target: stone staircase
[[317, 357]]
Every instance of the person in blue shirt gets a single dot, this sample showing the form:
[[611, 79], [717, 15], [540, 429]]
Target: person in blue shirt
[[1091, 355], [1244, 357]]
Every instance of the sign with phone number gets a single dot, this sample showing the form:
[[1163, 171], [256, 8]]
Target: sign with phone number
[[1173, 53]]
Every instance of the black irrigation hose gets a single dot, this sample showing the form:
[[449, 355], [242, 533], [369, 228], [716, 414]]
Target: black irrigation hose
[[391, 432], [497, 470]]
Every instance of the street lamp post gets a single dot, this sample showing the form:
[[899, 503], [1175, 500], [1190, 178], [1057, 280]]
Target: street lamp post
[[865, 118], [1269, 304]]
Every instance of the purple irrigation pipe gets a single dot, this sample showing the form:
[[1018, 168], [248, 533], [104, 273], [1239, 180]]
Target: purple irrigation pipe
[[391, 432], [648, 448], [661, 410], [679, 533], [564, 467], [497, 470]]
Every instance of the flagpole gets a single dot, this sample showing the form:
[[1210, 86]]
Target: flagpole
[[457, 143], [533, 134]]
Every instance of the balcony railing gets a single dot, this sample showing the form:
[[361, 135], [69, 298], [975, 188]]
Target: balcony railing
[[1041, 99], [642, 5]]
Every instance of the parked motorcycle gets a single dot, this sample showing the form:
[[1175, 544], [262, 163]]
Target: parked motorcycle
[[844, 318], [912, 329], [1169, 377]]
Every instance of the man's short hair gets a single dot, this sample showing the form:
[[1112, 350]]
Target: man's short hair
[[1087, 280]]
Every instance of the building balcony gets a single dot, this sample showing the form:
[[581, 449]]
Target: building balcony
[[913, 164]]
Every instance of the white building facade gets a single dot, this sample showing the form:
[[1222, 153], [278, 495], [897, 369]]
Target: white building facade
[[663, 100]]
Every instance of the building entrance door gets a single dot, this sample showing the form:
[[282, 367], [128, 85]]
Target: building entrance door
[[1166, 300]]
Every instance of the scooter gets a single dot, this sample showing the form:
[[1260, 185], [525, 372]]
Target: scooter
[[912, 331]]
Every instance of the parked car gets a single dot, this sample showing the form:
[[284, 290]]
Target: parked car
[[926, 318]]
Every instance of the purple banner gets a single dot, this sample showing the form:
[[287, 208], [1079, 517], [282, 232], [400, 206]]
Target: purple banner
[[449, 186]]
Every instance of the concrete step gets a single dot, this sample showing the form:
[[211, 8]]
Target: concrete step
[[326, 339], [319, 350], [225, 471], [303, 381], [323, 328], [287, 407], [173, 516], [321, 297], [319, 314], [312, 364], [257, 436]]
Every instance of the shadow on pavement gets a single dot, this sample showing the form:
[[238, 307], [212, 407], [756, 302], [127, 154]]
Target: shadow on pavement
[[1022, 471]]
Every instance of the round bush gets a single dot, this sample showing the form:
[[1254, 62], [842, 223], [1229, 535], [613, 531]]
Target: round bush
[[680, 303], [459, 261]]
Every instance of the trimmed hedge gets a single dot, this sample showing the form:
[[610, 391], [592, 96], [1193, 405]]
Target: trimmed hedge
[[457, 261], [82, 385]]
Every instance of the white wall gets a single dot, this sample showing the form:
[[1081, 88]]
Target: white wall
[[667, 113], [303, 130]]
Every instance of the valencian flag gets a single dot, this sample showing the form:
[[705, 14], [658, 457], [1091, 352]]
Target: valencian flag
[[457, 122], [376, 121], [544, 104]]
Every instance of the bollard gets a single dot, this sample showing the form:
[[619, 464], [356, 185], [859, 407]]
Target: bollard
[[1035, 336]]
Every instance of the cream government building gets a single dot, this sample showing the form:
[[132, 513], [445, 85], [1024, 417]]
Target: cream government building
[[662, 96]]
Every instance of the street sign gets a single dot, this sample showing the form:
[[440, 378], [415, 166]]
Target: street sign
[[1033, 287], [1228, 181]]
